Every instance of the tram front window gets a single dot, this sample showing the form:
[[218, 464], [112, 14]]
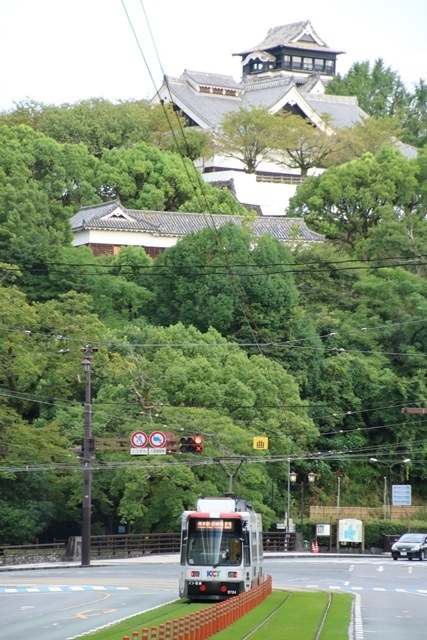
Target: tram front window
[[214, 542]]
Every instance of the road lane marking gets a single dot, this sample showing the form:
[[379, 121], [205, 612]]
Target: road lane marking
[[60, 589]]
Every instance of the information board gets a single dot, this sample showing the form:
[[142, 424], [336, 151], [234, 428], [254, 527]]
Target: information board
[[401, 495]]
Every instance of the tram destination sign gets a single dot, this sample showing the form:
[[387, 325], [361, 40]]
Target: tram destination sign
[[215, 524]]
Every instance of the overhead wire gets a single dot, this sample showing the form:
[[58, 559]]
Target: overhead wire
[[229, 266], [192, 345], [245, 308], [208, 270], [144, 419]]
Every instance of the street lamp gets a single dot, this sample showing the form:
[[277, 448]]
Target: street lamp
[[386, 492], [88, 447], [293, 479]]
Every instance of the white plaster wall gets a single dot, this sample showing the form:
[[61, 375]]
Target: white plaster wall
[[273, 198], [129, 238]]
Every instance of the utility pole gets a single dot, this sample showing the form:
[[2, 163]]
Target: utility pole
[[288, 510], [87, 351]]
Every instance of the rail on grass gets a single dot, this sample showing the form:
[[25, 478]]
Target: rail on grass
[[205, 623]]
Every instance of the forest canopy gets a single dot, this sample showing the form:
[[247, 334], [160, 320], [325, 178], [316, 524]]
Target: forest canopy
[[230, 336]]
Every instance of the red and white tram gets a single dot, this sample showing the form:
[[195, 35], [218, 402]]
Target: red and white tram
[[221, 549]]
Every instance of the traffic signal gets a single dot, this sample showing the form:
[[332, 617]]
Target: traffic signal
[[191, 444], [198, 444]]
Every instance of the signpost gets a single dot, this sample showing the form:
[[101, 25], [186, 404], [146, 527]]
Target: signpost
[[156, 442], [139, 441], [401, 495]]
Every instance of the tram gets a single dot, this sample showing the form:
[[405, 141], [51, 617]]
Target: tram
[[221, 549]]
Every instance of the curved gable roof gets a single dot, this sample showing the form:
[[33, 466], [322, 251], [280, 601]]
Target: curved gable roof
[[299, 35]]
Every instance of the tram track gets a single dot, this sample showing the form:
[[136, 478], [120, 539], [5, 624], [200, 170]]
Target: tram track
[[260, 628], [267, 619]]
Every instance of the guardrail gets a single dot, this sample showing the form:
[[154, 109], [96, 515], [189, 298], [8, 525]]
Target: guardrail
[[135, 544], [123, 545], [27, 553]]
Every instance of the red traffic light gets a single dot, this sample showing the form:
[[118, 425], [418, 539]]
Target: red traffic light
[[198, 444], [191, 444]]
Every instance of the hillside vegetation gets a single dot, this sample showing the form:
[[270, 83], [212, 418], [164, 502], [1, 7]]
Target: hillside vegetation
[[317, 348]]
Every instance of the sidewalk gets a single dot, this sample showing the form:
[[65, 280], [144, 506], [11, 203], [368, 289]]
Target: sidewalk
[[173, 558]]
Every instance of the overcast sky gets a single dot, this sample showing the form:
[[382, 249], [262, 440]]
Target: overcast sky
[[56, 51]]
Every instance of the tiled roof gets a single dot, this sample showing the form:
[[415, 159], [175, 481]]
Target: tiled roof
[[343, 110], [407, 150], [165, 223], [289, 35], [208, 110], [212, 79], [266, 94], [86, 213]]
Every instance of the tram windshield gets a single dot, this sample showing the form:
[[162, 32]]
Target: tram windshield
[[214, 542]]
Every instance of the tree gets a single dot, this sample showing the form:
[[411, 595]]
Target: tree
[[40, 183], [216, 278], [302, 145], [100, 124], [368, 136], [242, 287], [246, 135], [346, 202], [415, 121], [379, 90], [214, 200], [145, 178], [189, 142]]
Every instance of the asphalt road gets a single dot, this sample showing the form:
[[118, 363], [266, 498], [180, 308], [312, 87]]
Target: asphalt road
[[63, 603], [59, 604]]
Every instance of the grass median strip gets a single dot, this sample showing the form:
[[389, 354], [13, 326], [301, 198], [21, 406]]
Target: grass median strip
[[176, 609], [338, 619], [294, 615]]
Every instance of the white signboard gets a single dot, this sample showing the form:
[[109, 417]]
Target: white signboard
[[350, 530], [147, 452], [401, 495], [136, 451], [323, 530]]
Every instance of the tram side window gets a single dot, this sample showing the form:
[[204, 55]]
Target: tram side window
[[246, 549], [254, 545], [183, 547]]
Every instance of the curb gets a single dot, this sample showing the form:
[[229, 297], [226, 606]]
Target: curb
[[174, 559]]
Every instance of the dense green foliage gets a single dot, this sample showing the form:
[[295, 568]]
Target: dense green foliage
[[381, 93], [226, 335]]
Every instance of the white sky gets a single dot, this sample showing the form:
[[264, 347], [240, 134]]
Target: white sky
[[56, 51]]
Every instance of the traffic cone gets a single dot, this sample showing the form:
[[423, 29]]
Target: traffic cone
[[314, 547]]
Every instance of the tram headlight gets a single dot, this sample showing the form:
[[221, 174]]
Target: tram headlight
[[232, 574], [195, 574]]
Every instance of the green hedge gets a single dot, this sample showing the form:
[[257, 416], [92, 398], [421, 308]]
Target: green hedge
[[375, 530]]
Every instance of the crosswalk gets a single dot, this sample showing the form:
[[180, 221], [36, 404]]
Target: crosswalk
[[353, 589], [60, 588]]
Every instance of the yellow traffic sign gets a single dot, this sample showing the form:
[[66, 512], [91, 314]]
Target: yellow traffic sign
[[260, 443]]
